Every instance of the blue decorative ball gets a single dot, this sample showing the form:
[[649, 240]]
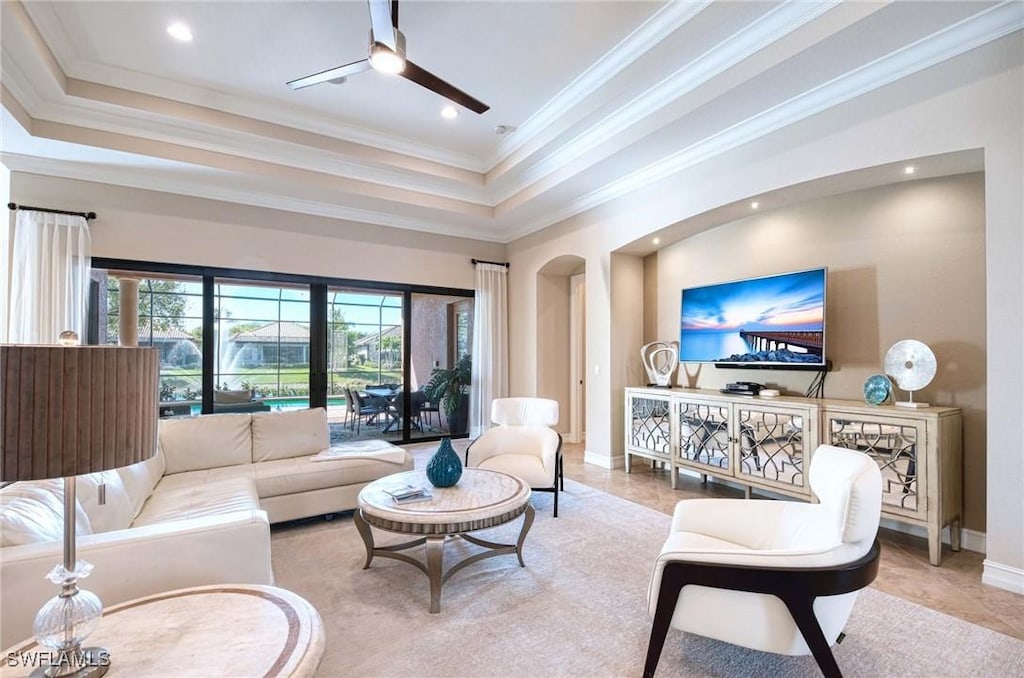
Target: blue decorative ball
[[444, 468]]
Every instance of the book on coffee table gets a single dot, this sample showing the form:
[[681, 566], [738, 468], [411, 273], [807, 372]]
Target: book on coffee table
[[422, 495], [409, 494]]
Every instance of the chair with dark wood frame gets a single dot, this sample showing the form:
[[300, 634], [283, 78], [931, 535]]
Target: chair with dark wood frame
[[775, 551], [797, 587]]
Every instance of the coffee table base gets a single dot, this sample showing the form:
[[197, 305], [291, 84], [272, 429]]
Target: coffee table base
[[435, 553]]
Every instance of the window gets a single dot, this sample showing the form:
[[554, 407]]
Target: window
[[293, 340], [263, 341], [170, 319]]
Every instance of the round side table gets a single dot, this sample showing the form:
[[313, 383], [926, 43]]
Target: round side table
[[225, 630]]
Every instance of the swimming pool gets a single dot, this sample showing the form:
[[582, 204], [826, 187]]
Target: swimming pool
[[281, 404]]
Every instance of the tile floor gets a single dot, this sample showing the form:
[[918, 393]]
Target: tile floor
[[954, 588]]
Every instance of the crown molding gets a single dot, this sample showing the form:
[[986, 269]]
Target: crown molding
[[659, 26], [156, 180], [152, 127], [744, 43], [974, 31]]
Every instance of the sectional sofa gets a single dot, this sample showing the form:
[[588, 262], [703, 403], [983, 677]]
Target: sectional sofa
[[198, 512]]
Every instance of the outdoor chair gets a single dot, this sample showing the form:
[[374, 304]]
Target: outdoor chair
[[367, 408], [773, 576], [523, 443], [428, 408]]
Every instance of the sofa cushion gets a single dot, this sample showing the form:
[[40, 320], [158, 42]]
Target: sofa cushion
[[140, 479], [209, 441], [181, 502], [34, 512], [281, 435], [191, 479], [116, 512], [299, 474]]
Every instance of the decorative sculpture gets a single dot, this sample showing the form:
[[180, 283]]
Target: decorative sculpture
[[911, 365], [660, 359]]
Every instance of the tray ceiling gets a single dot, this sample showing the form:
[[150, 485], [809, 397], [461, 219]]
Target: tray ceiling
[[606, 96]]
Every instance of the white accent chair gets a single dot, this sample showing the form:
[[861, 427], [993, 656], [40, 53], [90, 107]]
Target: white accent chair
[[775, 576], [523, 443]]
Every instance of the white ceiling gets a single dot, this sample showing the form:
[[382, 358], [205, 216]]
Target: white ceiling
[[607, 96]]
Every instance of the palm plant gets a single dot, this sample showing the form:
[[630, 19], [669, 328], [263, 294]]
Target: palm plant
[[447, 385]]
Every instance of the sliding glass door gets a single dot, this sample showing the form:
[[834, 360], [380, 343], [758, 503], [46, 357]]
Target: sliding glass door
[[248, 341]]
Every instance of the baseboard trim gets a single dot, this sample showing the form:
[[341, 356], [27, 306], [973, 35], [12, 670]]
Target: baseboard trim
[[970, 540], [1003, 576], [604, 461]]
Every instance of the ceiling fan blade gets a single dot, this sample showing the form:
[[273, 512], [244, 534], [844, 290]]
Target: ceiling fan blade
[[331, 74], [394, 13], [380, 23], [427, 79]]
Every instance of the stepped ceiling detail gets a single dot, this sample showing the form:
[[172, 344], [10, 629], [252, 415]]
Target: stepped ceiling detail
[[604, 97]]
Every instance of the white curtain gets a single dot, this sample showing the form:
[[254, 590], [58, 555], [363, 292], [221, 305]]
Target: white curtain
[[49, 277], [490, 345]]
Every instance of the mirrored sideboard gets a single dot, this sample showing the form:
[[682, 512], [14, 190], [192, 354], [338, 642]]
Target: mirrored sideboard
[[767, 443]]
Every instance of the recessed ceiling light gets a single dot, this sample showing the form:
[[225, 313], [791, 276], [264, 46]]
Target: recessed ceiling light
[[449, 112], [180, 31], [909, 169], [754, 205], [657, 241]]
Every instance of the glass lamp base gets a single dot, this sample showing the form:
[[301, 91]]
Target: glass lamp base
[[88, 662]]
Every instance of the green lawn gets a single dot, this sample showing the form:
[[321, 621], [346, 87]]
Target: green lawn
[[293, 380]]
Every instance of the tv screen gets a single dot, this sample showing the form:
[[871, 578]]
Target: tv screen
[[773, 321]]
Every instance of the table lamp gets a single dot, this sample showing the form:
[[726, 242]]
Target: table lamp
[[65, 411]]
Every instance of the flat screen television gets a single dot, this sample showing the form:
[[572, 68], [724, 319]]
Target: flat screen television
[[777, 321]]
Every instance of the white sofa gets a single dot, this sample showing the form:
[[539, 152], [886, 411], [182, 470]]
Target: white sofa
[[199, 512]]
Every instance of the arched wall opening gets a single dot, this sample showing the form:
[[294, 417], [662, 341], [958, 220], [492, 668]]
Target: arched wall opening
[[561, 340]]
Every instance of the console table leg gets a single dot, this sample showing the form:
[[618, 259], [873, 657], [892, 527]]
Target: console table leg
[[954, 535], [934, 544], [435, 558], [367, 535]]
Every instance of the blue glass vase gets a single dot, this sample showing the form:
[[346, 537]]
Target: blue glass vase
[[444, 469]]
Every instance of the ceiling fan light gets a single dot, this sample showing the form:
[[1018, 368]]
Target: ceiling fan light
[[385, 61]]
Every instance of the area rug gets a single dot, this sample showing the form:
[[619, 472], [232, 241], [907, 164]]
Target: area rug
[[578, 608]]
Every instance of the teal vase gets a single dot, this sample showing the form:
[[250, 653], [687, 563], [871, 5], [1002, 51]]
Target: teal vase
[[444, 469]]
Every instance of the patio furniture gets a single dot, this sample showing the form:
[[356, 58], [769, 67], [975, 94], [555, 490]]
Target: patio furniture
[[367, 408], [428, 408], [397, 411], [241, 400]]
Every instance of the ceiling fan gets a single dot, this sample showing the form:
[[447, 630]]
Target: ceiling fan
[[387, 55]]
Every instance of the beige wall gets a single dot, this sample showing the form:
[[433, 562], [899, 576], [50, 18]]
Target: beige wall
[[163, 227], [974, 101], [905, 262], [553, 342]]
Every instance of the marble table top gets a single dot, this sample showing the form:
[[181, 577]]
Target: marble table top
[[482, 498], [208, 631]]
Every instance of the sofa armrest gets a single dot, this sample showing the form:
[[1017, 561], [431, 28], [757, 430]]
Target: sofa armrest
[[229, 548]]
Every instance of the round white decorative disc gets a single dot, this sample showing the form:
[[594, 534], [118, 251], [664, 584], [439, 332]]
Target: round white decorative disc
[[911, 364]]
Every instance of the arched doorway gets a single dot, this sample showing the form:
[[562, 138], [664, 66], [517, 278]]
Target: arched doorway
[[561, 341]]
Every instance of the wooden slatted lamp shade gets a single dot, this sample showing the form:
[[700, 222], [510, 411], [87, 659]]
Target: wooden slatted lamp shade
[[67, 411]]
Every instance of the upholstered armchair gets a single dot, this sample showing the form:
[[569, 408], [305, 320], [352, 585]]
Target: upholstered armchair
[[775, 576], [523, 443]]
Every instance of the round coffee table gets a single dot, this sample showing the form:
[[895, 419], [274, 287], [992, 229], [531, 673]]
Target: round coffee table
[[481, 499], [207, 631]]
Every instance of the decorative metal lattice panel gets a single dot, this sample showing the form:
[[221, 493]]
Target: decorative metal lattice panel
[[651, 425], [771, 446], [704, 434], [893, 446]]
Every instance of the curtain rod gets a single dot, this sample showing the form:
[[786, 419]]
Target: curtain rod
[[14, 206], [496, 263]]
